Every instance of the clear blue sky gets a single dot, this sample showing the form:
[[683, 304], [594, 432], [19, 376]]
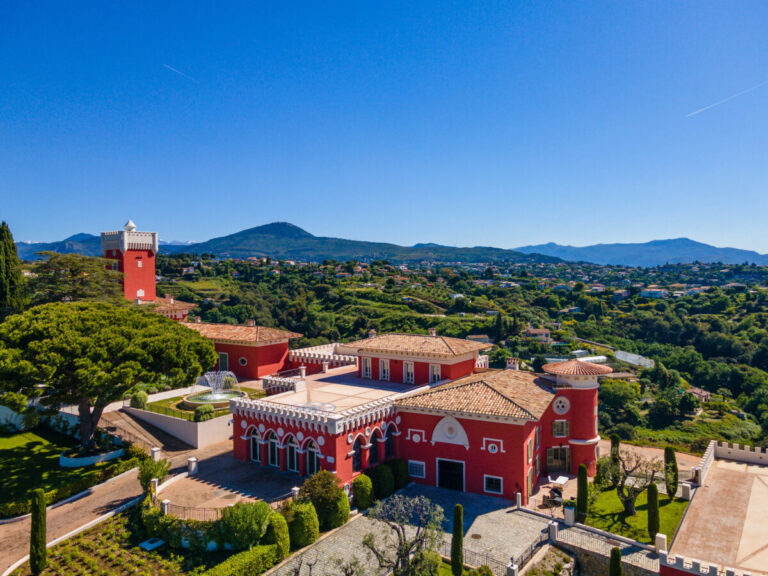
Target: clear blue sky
[[464, 123]]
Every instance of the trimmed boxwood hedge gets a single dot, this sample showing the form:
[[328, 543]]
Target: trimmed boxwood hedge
[[257, 560], [362, 490], [383, 481], [330, 501], [303, 525], [277, 534], [399, 471]]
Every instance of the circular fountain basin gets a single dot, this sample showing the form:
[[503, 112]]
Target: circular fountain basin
[[215, 399]]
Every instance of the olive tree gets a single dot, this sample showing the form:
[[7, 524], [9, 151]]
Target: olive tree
[[91, 354], [633, 474]]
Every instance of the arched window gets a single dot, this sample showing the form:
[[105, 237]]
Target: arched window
[[255, 447], [389, 444], [273, 450], [313, 460], [292, 454], [373, 451], [357, 455]]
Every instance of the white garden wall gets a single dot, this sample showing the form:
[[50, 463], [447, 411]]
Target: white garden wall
[[197, 434]]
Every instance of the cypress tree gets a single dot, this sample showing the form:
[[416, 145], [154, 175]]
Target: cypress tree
[[37, 551], [616, 569], [671, 474], [11, 287], [615, 447], [581, 494], [457, 541], [653, 511]]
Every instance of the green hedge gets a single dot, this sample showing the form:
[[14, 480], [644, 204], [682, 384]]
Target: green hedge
[[139, 400], [303, 525], [257, 560], [277, 534], [362, 490], [383, 481], [204, 412], [322, 489], [399, 471]]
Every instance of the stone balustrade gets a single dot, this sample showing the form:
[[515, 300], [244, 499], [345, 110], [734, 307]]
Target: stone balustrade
[[276, 384]]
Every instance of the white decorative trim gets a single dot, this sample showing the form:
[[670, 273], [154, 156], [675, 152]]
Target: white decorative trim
[[485, 486], [450, 431], [487, 442], [594, 440], [415, 435]]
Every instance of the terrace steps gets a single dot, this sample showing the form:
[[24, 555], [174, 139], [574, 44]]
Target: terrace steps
[[129, 428]]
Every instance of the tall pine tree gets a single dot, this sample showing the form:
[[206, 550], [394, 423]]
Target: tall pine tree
[[11, 284]]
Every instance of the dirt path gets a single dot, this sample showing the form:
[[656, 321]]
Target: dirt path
[[685, 461]]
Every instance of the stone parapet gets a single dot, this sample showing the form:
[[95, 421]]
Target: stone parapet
[[746, 454], [672, 565]]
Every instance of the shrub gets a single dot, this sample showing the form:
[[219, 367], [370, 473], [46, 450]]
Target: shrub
[[278, 535], [383, 481], [244, 524], [483, 571], [37, 551], [603, 473], [139, 400], [257, 560], [671, 474], [616, 569], [362, 490], [653, 511], [625, 431], [457, 541], [149, 469], [427, 563], [340, 512], [204, 412], [324, 492], [303, 525], [399, 471], [582, 493]]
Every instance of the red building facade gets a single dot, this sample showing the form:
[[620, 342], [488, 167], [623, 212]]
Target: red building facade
[[492, 432], [133, 254]]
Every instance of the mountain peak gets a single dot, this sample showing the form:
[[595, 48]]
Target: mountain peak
[[280, 230]]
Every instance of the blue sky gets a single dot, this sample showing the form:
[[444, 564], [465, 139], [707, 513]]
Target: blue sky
[[464, 123]]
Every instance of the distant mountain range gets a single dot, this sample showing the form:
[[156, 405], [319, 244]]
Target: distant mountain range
[[282, 240], [654, 253], [286, 241]]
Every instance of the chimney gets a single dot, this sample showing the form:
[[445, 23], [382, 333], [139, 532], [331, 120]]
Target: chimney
[[251, 322], [513, 363], [198, 320], [371, 333], [169, 297], [433, 332]]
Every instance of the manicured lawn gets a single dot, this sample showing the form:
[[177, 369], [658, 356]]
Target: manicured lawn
[[31, 460], [170, 406], [112, 548], [608, 514]]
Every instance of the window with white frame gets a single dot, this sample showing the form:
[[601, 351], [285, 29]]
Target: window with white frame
[[530, 450], [416, 469], [366, 368], [138, 263], [494, 484], [434, 373], [407, 372], [384, 369], [560, 428]]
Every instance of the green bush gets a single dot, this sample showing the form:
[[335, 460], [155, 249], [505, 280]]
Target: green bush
[[383, 481], [615, 567], [482, 571], [457, 541], [362, 491], [303, 525], [277, 534], [399, 471], [38, 556], [582, 494], [603, 473], [671, 474], [427, 563], [340, 512], [322, 489], [204, 412], [257, 560], [149, 469], [139, 400], [244, 524]]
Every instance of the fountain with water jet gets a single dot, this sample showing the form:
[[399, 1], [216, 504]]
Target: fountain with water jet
[[224, 387]]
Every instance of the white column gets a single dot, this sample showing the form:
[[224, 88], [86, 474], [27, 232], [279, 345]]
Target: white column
[[192, 466]]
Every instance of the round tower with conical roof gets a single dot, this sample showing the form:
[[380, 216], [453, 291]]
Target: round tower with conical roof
[[133, 253], [575, 402]]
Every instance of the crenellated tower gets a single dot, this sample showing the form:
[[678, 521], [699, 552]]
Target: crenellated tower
[[133, 253]]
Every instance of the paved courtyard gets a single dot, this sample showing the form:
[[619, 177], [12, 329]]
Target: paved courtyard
[[726, 521], [222, 481]]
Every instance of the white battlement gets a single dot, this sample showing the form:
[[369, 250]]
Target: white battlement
[[320, 354], [692, 566], [746, 454], [129, 239]]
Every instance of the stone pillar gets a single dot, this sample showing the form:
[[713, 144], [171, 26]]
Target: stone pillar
[[325, 367], [570, 516], [156, 454], [686, 491], [192, 466], [302, 462], [153, 484], [295, 492], [512, 569], [164, 506], [518, 499], [661, 542], [366, 455], [264, 448], [303, 372], [282, 453], [553, 527]]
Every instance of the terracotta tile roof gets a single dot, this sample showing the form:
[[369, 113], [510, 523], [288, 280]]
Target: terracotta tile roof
[[417, 344], [576, 368], [172, 305], [509, 393], [234, 333]]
